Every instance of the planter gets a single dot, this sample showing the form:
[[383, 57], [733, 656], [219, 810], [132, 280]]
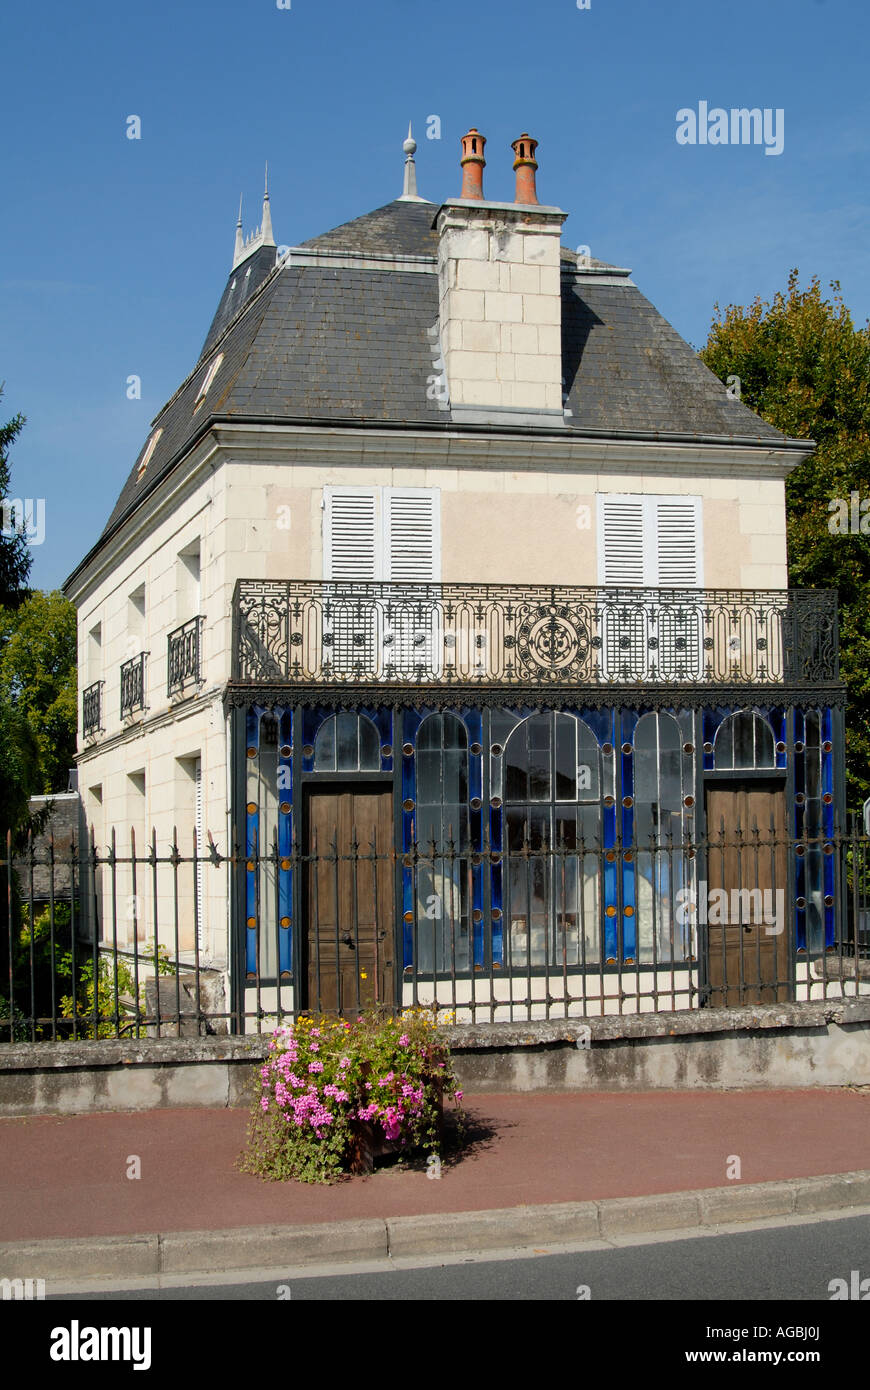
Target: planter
[[369, 1142]]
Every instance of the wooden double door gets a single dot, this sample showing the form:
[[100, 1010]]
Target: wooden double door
[[747, 894], [348, 888]]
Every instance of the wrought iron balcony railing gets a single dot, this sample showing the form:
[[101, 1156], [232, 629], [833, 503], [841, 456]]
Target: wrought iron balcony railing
[[183, 657], [305, 631], [92, 709], [133, 685]]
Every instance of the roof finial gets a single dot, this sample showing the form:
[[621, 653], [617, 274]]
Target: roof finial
[[240, 243], [409, 189], [267, 239]]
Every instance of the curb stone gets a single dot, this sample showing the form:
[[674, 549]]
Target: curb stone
[[257, 1247]]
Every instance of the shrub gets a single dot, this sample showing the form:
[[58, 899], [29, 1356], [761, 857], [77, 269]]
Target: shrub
[[19, 1031], [110, 1001], [43, 970], [325, 1076]]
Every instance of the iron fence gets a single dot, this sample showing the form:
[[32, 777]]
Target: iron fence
[[132, 941], [302, 631]]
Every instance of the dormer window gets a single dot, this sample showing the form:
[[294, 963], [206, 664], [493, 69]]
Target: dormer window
[[146, 457], [207, 381]]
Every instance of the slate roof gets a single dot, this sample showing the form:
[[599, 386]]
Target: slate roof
[[324, 343], [403, 229]]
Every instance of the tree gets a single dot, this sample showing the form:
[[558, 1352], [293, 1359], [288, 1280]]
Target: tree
[[38, 681], [19, 755], [805, 368], [15, 556], [19, 759]]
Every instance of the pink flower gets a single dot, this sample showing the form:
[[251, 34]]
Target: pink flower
[[404, 1040], [315, 1066], [458, 1095], [392, 1122], [315, 1047], [345, 1062], [264, 1103]]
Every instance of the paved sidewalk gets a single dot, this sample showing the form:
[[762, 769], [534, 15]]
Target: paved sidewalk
[[62, 1178]]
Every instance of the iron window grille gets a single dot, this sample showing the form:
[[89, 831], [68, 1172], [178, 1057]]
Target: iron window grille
[[133, 685], [184, 657], [92, 709]]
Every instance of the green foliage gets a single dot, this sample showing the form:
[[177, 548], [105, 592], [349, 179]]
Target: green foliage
[[38, 699], [115, 994], [49, 965], [19, 761], [15, 556], [19, 1031], [325, 1078], [38, 683], [805, 368]]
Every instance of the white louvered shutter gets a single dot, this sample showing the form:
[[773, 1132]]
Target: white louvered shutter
[[412, 558], [352, 555], [677, 549], [679, 629], [650, 542], [351, 549], [623, 548], [410, 541], [622, 541]]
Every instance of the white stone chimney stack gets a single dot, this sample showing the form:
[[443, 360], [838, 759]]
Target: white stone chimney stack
[[500, 296]]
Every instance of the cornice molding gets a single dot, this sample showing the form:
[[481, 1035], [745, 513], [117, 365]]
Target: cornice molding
[[507, 449], [675, 697], [175, 714]]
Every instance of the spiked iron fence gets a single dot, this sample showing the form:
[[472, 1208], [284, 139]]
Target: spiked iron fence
[[132, 942]]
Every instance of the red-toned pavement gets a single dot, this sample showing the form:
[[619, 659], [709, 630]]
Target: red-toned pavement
[[68, 1177]]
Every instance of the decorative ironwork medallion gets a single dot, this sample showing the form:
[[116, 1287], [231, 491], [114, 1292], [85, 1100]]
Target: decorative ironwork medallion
[[552, 637]]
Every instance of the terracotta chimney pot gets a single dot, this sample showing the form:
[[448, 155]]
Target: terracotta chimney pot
[[472, 164], [524, 167]]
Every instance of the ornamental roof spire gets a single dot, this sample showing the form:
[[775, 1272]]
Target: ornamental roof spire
[[261, 236], [240, 244], [266, 227], [409, 188]]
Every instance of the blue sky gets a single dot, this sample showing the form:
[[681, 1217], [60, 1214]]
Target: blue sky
[[113, 252]]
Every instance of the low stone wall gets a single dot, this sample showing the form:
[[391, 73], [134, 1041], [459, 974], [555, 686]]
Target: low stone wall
[[767, 1046]]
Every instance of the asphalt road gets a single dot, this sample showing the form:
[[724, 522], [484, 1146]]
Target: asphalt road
[[788, 1262]]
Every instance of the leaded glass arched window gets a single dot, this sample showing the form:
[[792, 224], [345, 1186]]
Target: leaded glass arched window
[[744, 742], [347, 742], [442, 834], [553, 792]]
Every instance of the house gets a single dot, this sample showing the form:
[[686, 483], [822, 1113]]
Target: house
[[449, 595]]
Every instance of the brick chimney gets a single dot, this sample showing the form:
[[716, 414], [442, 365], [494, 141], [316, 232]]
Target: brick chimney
[[500, 296]]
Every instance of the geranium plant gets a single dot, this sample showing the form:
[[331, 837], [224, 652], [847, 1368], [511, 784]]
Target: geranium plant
[[325, 1077]]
